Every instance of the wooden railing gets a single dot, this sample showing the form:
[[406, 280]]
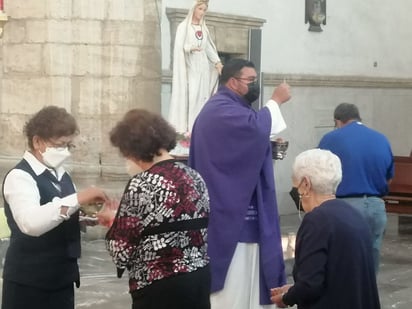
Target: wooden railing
[[399, 199]]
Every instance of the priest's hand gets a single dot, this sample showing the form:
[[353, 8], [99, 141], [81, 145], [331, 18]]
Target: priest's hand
[[281, 94]]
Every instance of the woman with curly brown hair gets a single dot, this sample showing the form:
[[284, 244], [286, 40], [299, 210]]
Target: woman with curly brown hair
[[160, 229], [42, 210]]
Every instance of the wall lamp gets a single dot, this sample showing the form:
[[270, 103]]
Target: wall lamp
[[315, 14]]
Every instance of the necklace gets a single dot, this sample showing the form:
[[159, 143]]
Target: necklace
[[198, 34]]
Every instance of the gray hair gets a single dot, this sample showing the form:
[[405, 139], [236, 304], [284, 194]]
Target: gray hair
[[322, 167]]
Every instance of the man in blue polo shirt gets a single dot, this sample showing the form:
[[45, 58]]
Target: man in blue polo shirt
[[367, 167]]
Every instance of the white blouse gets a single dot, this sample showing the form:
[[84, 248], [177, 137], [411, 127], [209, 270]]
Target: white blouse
[[23, 196]]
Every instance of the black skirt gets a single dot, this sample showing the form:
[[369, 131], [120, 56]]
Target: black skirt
[[17, 295], [184, 291]]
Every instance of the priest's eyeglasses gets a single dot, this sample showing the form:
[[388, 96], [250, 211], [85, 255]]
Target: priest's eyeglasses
[[248, 79]]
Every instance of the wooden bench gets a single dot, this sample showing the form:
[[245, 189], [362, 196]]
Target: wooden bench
[[399, 198]]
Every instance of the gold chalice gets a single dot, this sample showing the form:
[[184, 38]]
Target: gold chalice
[[91, 209]]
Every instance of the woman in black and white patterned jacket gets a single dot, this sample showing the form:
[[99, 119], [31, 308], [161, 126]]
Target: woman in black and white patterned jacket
[[160, 229]]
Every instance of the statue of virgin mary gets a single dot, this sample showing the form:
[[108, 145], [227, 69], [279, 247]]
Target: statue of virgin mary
[[196, 68]]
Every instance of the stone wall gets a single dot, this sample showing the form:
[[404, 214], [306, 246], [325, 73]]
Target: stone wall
[[96, 58]]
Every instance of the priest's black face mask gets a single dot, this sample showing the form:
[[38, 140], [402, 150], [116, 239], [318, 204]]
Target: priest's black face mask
[[253, 92]]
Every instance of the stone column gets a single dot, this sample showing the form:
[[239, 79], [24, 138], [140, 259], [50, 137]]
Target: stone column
[[96, 58]]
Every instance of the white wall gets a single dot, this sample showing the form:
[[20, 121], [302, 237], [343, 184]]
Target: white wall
[[309, 115], [357, 34], [238, 7]]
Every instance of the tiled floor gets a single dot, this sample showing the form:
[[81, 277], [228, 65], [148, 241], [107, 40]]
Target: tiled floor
[[100, 289], [395, 276]]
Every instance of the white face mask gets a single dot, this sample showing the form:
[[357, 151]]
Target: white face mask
[[54, 157], [132, 168]]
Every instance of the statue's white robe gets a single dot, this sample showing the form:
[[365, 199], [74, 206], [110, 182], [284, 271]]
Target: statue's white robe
[[195, 77]]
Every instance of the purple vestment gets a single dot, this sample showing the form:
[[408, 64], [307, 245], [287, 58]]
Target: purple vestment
[[230, 148]]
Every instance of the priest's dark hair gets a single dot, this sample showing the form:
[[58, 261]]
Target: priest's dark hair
[[233, 67], [142, 134]]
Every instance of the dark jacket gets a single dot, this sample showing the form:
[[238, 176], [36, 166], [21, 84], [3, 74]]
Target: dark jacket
[[50, 260], [333, 265]]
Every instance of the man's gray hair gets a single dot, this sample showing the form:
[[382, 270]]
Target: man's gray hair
[[322, 167]]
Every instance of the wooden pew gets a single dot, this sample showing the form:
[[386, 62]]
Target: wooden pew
[[399, 198]]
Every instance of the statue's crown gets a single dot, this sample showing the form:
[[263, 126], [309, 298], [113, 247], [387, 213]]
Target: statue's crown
[[198, 2]]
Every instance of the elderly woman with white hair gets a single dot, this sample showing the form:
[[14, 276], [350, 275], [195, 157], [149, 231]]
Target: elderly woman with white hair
[[333, 258]]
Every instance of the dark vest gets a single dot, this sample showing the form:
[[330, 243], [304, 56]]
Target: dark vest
[[50, 260]]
